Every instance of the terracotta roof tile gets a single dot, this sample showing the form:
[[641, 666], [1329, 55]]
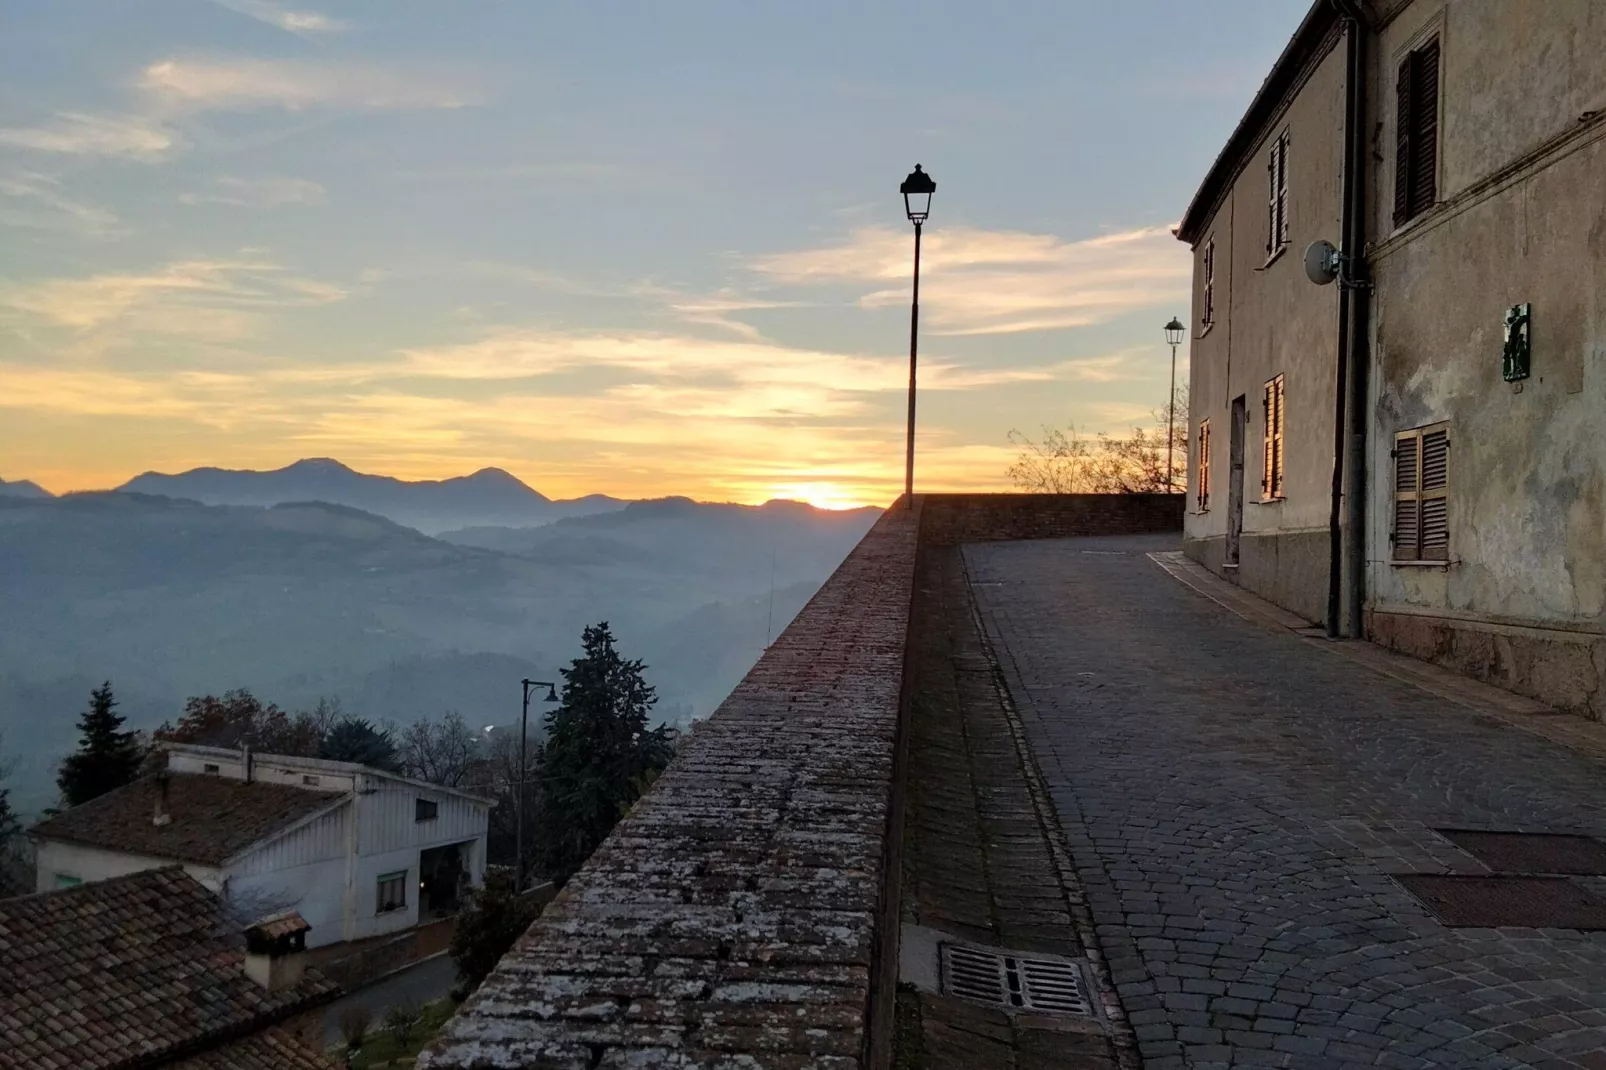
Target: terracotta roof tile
[[271, 1049], [122, 972], [212, 817]]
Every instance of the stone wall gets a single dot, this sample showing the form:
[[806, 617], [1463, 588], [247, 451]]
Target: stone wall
[[734, 911], [950, 519]]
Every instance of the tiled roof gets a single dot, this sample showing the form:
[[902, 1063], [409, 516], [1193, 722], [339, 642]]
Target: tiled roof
[[212, 817], [127, 972], [271, 1049]]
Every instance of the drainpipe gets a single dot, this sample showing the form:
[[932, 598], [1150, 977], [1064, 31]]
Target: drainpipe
[[1347, 560]]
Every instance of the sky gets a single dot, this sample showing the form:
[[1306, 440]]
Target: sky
[[636, 247]]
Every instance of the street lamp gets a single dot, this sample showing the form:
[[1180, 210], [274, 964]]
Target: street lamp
[[518, 796], [1173, 334], [917, 190]]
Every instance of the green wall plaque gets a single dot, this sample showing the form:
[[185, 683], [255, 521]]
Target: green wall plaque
[[1514, 357]]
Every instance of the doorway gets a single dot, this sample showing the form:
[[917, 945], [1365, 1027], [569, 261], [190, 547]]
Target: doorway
[[1235, 480]]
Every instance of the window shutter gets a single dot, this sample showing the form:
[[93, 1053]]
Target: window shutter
[[1277, 481], [1435, 511], [1402, 141], [1425, 128], [1407, 483], [1266, 443], [1282, 191]]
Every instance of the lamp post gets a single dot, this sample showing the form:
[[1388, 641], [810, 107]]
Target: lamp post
[[518, 797], [1173, 334], [917, 190]]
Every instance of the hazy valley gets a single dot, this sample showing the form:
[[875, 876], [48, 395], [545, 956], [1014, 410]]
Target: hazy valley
[[295, 596]]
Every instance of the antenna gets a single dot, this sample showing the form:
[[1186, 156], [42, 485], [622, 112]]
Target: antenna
[[1322, 261]]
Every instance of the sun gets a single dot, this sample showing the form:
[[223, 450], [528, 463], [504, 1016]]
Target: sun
[[819, 495]]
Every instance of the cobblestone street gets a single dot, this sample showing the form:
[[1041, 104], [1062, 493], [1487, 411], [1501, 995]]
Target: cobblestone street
[[1236, 800]]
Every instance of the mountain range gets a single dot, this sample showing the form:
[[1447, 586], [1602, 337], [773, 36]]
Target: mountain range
[[488, 497], [171, 597], [23, 488]]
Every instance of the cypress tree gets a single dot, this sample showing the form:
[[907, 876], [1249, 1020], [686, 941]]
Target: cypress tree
[[107, 756], [599, 753]]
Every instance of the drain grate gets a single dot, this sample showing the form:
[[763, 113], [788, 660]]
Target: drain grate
[[1497, 902], [1532, 852], [1014, 982]]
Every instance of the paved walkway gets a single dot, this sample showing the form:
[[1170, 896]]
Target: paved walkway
[[1236, 799], [419, 984]]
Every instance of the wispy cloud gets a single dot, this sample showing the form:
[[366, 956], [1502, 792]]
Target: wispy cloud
[[999, 282], [270, 192], [301, 23], [209, 300], [83, 134], [243, 82], [39, 202]]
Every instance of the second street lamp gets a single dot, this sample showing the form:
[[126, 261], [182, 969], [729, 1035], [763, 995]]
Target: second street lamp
[[1173, 334], [524, 778], [917, 190]]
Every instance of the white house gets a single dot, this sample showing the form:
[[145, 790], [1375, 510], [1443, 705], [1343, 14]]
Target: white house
[[355, 851]]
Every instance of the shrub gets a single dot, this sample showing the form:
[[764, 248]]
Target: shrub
[[354, 1023], [401, 1019]]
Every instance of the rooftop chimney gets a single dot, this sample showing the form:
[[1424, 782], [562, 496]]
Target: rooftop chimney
[[161, 816], [276, 951]]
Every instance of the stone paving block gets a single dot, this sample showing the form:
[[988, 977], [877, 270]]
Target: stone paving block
[[1241, 797]]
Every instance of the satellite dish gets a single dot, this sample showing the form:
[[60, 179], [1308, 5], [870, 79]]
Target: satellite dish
[[1321, 262]]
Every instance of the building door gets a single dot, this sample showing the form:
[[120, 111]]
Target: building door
[[1235, 480]]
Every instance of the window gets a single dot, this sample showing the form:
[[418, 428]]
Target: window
[[209, 768], [1204, 465], [392, 892], [67, 880], [1271, 480], [1416, 135], [425, 809], [309, 780], [1208, 313], [1422, 494], [1277, 201]]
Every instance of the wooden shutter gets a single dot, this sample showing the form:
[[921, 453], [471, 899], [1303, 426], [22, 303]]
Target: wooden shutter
[[1402, 141], [1277, 446], [1271, 461], [1203, 480], [1416, 135], [1435, 508], [1280, 208], [1407, 485], [1422, 494], [1267, 452], [1210, 282], [1425, 129]]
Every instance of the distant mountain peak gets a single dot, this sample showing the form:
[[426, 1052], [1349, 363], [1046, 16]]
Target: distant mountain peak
[[23, 488], [318, 464]]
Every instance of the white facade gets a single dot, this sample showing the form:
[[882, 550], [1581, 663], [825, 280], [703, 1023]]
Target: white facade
[[328, 865]]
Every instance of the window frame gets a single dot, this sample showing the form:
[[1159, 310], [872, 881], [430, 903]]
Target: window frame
[[1202, 497], [400, 878], [425, 810], [1418, 494], [1274, 409], [1277, 195]]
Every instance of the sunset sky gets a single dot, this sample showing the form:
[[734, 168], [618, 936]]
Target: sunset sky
[[638, 247]]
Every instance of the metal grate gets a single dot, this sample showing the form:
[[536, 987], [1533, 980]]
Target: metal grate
[[1532, 852], [1500, 902], [1014, 982]]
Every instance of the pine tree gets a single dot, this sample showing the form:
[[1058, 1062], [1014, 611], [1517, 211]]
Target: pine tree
[[354, 739], [107, 757], [598, 753]]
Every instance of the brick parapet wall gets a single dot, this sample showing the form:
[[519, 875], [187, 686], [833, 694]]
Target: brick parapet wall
[[951, 519], [735, 918], [734, 911]]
